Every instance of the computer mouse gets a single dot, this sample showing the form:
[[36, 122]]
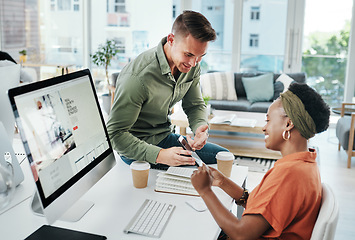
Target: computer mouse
[[197, 204]]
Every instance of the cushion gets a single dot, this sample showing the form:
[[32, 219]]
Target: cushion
[[218, 86], [259, 88], [278, 88], [28, 75], [241, 105], [261, 107], [286, 81]]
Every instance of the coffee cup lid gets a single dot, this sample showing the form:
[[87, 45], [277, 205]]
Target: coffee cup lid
[[225, 156], [140, 165]]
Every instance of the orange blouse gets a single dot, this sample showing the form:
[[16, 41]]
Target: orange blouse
[[289, 197]]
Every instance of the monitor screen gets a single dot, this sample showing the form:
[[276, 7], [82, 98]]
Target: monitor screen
[[64, 136]]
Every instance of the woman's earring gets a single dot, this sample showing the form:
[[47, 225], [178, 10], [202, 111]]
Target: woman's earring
[[284, 135]]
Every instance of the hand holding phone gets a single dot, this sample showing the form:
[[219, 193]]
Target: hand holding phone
[[187, 146]]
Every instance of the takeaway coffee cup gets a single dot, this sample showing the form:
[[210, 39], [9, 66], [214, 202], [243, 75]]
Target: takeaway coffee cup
[[140, 173], [225, 162]]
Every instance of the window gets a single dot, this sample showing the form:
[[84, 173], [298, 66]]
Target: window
[[53, 4], [262, 47], [255, 13], [174, 11], [64, 44], [245, 41], [64, 5], [13, 24], [132, 39], [120, 6], [325, 48], [76, 5], [220, 15], [121, 42], [254, 40]]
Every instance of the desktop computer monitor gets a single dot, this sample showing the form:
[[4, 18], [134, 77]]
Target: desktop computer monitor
[[65, 139]]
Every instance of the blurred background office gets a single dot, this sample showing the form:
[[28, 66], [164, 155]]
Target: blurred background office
[[306, 35]]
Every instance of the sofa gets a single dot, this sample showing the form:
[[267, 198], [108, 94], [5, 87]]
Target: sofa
[[251, 92]]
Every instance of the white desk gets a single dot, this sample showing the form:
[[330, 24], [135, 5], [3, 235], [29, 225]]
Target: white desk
[[116, 202]]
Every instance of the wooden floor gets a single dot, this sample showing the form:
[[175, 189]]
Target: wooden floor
[[340, 178]]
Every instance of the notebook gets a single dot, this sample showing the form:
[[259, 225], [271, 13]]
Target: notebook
[[233, 120], [223, 119], [243, 122], [176, 180]]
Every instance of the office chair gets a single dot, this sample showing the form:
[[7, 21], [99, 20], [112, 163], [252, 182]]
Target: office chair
[[345, 130], [28, 75], [327, 219]]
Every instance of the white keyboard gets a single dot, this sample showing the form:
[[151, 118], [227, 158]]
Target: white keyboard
[[151, 219]]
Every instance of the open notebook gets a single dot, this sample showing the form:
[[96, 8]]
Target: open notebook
[[176, 180], [233, 120]]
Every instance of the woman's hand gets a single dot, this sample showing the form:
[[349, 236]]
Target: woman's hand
[[207, 176], [202, 180], [217, 176]]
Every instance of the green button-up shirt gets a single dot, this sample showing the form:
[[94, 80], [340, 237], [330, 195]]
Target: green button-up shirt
[[146, 92]]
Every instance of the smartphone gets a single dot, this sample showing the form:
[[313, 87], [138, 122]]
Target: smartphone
[[184, 143], [187, 146]]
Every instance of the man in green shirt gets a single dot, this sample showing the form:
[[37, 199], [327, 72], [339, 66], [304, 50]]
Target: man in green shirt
[[147, 89]]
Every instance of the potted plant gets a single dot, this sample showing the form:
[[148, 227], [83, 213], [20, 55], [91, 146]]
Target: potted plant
[[206, 99], [23, 56], [104, 55]]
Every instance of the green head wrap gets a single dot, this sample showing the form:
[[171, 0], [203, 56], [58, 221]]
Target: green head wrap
[[296, 111]]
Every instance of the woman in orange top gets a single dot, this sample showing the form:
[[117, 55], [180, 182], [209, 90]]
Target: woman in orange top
[[286, 203]]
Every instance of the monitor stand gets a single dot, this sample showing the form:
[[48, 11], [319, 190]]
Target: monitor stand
[[73, 214]]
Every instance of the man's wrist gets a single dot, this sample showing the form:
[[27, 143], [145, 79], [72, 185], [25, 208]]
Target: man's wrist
[[158, 159]]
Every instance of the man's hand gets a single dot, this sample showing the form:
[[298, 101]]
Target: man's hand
[[200, 138], [174, 156]]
